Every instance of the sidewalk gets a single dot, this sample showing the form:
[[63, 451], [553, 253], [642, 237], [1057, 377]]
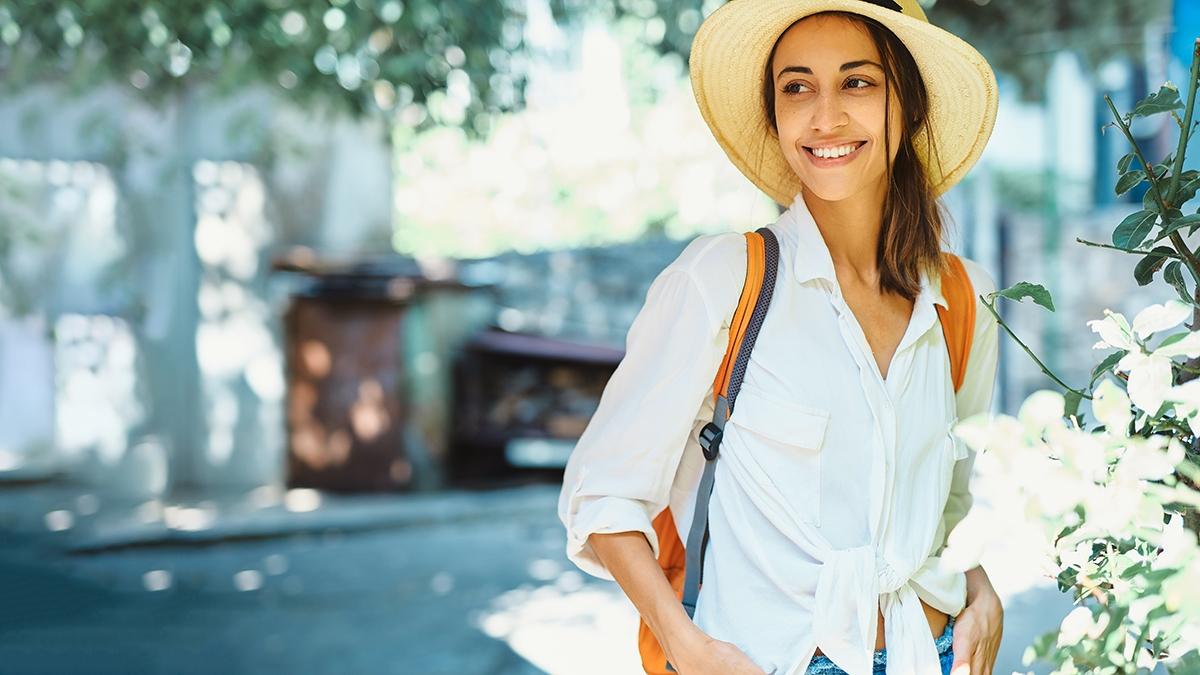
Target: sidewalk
[[302, 583], [457, 582], [83, 521]]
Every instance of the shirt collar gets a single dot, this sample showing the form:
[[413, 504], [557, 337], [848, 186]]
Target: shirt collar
[[811, 259]]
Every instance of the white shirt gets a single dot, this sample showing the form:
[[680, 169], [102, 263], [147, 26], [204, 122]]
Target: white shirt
[[834, 489]]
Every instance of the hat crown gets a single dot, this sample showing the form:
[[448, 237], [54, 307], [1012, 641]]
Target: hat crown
[[913, 8], [907, 7]]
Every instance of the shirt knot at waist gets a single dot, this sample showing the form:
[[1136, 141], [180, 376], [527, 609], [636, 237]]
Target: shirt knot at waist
[[854, 586]]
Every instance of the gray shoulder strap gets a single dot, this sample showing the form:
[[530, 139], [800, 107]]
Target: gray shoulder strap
[[710, 435]]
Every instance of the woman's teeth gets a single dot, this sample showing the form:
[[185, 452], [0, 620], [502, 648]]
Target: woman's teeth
[[830, 153]]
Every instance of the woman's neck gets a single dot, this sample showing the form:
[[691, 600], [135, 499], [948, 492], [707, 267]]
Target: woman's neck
[[850, 228]]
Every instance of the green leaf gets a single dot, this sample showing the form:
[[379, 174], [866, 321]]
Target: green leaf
[[1123, 163], [1150, 202], [1178, 222], [1133, 230], [1107, 364], [1127, 180], [1173, 275], [1134, 570], [1066, 578], [1147, 266], [1164, 100], [1023, 289], [1189, 184], [1172, 339], [1071, 403]]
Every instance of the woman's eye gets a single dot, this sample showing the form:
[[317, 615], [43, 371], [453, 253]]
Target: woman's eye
[[792, 87], [859, 79]]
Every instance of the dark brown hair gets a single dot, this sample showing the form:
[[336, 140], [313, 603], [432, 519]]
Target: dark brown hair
[[913, 225]]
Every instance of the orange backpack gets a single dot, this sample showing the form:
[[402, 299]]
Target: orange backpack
[[682, 565]]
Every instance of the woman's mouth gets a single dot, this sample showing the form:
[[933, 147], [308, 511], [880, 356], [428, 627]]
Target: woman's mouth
[[835, 158]]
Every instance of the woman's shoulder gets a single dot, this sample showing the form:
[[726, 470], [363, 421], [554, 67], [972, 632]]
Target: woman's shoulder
[[716, 263], [715, 249]]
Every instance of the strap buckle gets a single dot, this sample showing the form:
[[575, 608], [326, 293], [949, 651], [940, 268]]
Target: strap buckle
[[710, 440]]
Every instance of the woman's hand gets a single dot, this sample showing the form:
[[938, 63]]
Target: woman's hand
[[705, 655], [978, 627]]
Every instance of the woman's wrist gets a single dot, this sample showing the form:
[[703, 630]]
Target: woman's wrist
[[978, 583], [680, 635]]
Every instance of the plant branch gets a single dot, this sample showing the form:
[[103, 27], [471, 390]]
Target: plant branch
[[1137, 150], [1176, 240], [1173, 190], [991, 308], [1126, 250]]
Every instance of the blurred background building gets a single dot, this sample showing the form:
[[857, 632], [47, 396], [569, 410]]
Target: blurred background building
[[364, 246]]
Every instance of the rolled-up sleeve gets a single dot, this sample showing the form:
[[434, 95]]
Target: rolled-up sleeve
[[619, 475], [975, 395]]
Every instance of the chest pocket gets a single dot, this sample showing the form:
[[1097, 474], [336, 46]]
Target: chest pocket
[[784, 441]]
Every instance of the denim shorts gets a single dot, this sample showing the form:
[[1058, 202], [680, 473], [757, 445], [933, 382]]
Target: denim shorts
[[821, 665]]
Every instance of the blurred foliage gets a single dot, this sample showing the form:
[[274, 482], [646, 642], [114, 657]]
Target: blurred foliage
[[452, 62], [20, 281], [1011, 34], [642, 170], [456, 62]]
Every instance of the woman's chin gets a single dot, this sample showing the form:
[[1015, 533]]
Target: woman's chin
[[831, 191]]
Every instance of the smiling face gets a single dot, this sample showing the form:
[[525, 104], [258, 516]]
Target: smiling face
[[828, 85]]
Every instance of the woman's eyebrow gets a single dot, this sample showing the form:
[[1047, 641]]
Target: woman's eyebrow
[[845, 66]]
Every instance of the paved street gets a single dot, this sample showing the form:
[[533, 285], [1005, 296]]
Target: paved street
[[435, 598], [472, 594]]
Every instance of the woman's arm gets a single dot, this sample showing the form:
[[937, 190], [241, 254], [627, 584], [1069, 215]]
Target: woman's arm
[[618, 477], [620, 474], [628, 557], [979, 628], [980, 625], [690, 650]]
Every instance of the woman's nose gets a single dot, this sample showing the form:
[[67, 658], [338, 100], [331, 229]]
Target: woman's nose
[[828, 113]]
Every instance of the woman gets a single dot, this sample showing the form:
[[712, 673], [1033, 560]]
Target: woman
[[838, 480]]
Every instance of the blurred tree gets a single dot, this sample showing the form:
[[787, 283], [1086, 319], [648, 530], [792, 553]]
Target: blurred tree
[[447, 61], [1006, 32], [451, 62]]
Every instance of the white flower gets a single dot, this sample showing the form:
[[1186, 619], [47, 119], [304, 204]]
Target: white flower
[[1150, 382], [1112, 508], [1147, 459], [968, 540], [1079, 624], [1182, 590], [1160, 317], [1149, 515], [1114, 331], [1041, 409], [977, 430], [1188, 346], [1053, 489], [1110, 405], [1133, 359], [1139, 611], [1187, 402], [1178, 545], [1081, 451]]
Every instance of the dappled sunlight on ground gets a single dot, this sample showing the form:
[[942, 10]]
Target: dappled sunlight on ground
[[567, 626]]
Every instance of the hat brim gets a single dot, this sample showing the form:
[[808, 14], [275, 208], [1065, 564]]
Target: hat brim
[[728, 60]]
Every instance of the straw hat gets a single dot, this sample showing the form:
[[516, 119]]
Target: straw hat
[[728, 61]]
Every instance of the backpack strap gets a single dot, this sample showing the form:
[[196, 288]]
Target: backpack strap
[[958, 320], [762, 264]]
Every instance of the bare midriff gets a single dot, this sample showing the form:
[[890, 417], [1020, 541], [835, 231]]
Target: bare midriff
[[937, 624]]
